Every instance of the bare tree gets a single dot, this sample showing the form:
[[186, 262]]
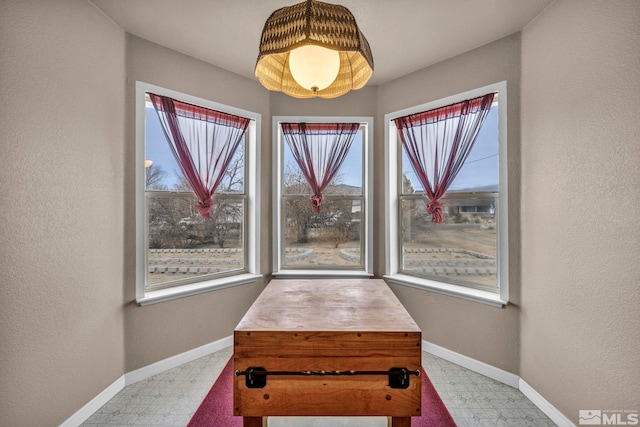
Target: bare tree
[[299, 217], [409, 210], [339, 222], [175, 221], [335, 224], [233, 178], [154, 177], [226, 215]]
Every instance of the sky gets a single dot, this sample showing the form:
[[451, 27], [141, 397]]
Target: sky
[[480, 169], [351, 171], [158, 150]]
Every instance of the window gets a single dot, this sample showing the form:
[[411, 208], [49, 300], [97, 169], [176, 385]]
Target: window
[[335, 241], [466, 254], [184, 246]]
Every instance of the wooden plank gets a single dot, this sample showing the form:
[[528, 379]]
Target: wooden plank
[[252, 422], [401, 422], [336, 396], [334, 363], [300, 325], [327, 305], [325, 344]]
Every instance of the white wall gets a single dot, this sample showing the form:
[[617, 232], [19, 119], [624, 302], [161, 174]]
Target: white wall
[[580, 203], [61, 208]]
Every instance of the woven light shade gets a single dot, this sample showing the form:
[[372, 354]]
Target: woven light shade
[[322, 24]]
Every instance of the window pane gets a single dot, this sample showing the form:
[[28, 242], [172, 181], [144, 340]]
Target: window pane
[[347, 181], [164, 173], [233, 178], [410, 182], [329, 239], [461, 250], [480, 170], [184, 246], [293, 180]]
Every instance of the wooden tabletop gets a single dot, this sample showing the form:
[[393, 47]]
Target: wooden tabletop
[[366, 305]]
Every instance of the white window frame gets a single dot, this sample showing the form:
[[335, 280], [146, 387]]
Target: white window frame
[[392, 267], [367, 205], [252, 224]]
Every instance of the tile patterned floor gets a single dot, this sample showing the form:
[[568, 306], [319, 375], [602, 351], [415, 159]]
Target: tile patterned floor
[[475, 400], [171, 398]]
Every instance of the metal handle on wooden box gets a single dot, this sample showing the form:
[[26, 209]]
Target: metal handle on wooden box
[[256, 377]]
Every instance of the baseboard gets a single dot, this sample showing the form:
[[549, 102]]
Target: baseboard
[[475, 365], [142, 374], [467, 362], [502, 376], [544, 405], [96, 403], [177, 360]]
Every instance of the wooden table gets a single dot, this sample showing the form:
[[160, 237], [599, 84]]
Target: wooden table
[[330, 344]]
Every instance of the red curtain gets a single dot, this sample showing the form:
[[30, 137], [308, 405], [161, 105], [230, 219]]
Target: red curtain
[[438, 142], [203, 142], [319, 149]]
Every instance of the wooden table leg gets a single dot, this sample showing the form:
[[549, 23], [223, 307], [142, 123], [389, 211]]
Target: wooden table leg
[[252, 421], [400, 421]]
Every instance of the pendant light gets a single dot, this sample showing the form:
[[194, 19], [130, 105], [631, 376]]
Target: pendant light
[[313, 49]]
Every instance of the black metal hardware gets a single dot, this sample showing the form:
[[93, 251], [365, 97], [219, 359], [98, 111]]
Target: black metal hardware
[[399, 377], [257, 377]]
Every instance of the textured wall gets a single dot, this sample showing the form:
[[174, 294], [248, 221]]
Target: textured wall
[[580, 204], [69, 328], [360, 103], [163, 330], [485, 333], [61, 207]]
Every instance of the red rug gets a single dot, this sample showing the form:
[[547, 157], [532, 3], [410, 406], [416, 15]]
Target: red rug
[[216, 410]]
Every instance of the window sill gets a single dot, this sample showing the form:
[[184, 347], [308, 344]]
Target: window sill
[[470, 294], [169, 294], [313, 274]]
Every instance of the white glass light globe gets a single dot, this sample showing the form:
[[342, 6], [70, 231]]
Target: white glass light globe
[[314, 67]]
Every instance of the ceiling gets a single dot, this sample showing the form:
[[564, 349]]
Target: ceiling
[[404, 35]]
